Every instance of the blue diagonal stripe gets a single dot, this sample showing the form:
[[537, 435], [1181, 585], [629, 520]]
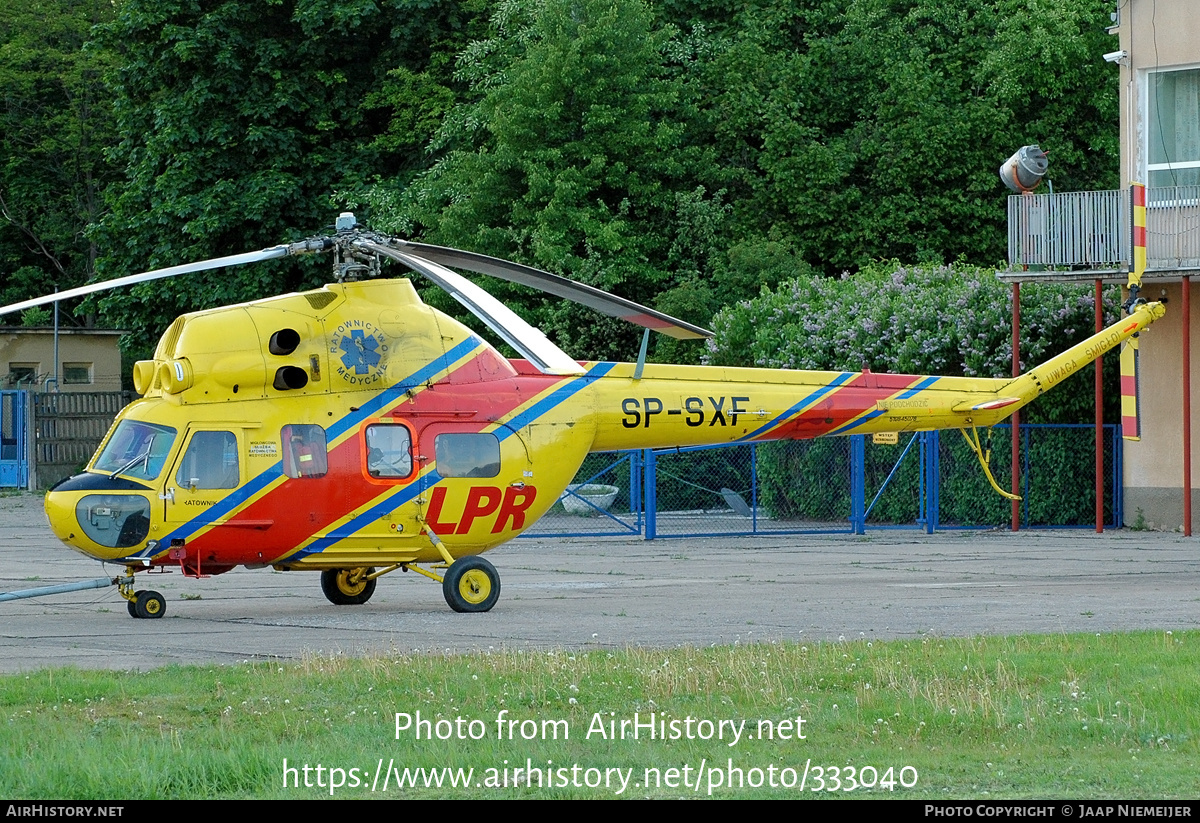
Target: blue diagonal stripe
[[807, 401], [555, 398], [542, 407], [226, 505], [387, 504]]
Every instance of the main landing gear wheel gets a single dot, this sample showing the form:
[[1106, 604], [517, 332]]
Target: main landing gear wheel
[[471, 584], [347, 587], [150, 605]]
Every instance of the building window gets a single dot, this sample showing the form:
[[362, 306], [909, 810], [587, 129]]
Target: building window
[[77, 373], [1173, 129], [22, 375]]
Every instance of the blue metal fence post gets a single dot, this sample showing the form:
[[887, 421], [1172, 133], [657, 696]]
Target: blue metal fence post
[[935, 505], [922, 474], [1118, 447], [754, 488], [635, 488], [651, 492], [930, 478], [1026, 469], [858, 483], [23, 440]]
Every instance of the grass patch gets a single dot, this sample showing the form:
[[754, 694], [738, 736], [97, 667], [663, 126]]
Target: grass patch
[[1088, 716]]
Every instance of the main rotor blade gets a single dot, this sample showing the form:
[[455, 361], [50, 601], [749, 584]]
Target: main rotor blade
[[529, 341], [170, 271], [562, 287]]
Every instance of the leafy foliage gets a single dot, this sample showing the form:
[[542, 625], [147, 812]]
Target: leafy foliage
[[55, 124], [868, 129], [570, 154], [238, 121], [683, 155], [931, 319]]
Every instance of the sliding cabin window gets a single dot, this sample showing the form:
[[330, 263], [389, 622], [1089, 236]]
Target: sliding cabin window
[[389, 451], [467, 455]]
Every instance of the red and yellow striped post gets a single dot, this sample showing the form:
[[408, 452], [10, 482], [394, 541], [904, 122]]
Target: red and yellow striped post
[[1130, 423]]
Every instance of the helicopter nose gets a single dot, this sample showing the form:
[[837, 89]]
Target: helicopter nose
[[60, 510], [103, 525]]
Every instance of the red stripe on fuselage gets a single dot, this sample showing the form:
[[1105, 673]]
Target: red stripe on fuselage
[[301, 508], [845, 403]]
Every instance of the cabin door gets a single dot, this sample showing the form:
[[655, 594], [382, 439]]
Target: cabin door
[[209, 468]]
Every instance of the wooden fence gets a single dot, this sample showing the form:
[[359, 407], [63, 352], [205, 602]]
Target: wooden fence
[[68, 428]]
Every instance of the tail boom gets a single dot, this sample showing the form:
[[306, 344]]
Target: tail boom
[[1042, 378], [671, 406]]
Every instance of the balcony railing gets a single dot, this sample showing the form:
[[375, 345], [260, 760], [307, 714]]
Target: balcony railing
[[1080, 229], [1090, 230]]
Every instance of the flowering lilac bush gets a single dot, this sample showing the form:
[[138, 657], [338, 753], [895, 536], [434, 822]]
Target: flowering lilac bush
[[934, 319], [951, 320]]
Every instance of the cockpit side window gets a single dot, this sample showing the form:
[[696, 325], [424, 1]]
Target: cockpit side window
[[305, 451], [136, 449], [210, 462]]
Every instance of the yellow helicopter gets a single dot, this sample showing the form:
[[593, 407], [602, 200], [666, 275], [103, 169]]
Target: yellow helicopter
[[353, 430]]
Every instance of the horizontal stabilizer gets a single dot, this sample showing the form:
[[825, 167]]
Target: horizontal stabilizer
[[998, 403]]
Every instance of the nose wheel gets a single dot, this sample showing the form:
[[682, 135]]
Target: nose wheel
[[147, 605]]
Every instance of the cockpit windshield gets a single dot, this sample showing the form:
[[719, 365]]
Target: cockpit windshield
[[136, 449]]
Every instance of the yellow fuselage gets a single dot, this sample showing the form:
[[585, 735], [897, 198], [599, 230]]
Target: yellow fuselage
[[340, 428]]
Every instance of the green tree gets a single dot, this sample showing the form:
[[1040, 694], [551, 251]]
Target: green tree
[[55, 124], [870, 129], [239, 122], [574, 155]]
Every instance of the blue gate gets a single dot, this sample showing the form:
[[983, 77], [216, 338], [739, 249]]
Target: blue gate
[[14, 439]]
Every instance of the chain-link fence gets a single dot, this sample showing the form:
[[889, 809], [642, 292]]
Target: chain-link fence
[[605, 498], [925, 480], [788, 486]]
